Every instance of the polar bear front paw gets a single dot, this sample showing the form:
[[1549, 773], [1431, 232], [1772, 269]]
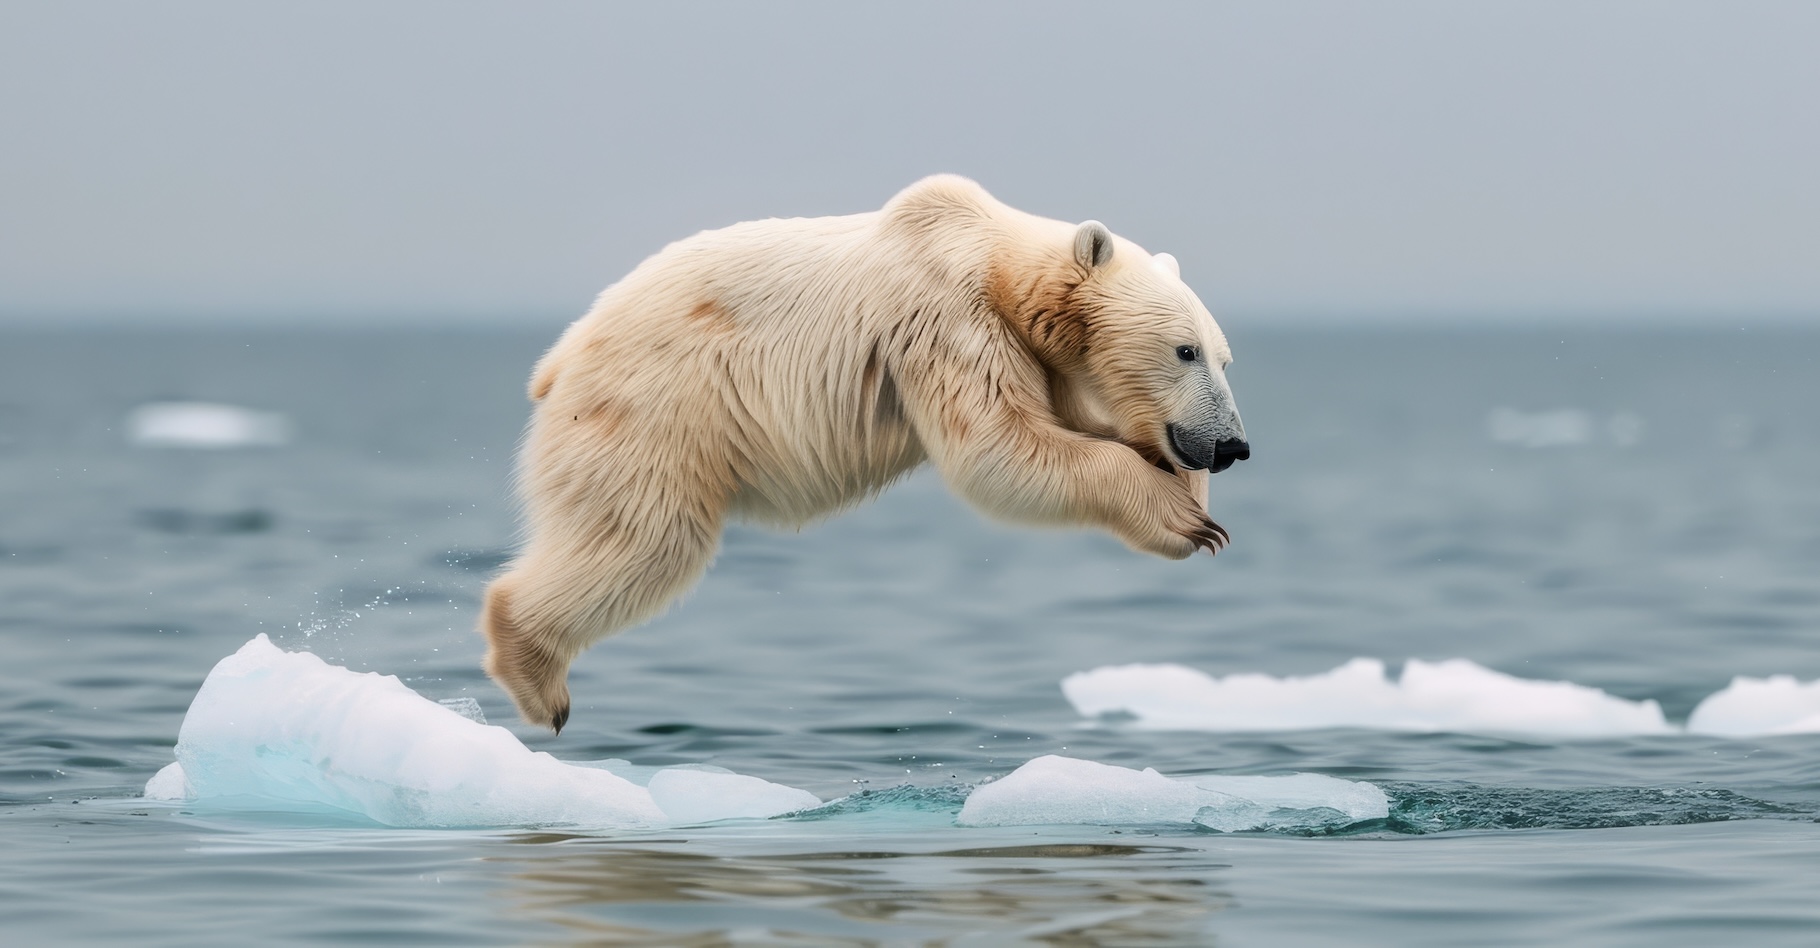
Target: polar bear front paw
[[1197, 533], [1189, 521], [1208, 535], [1180, 527]]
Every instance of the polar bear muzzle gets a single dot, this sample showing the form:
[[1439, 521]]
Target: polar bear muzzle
[[1197, 451]]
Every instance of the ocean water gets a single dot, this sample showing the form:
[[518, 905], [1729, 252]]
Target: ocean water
[[1636, 512]]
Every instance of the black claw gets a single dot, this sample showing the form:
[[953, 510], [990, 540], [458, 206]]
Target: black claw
[[561, 718], [1212, 537]]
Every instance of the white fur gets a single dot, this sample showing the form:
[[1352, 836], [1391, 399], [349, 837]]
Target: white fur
[[780, 370]]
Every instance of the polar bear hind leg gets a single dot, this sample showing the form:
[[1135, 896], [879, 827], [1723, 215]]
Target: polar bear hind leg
[[559, 598]]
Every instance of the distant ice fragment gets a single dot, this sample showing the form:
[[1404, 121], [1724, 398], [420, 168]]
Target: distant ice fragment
[[286, 730], [1563, 428], [1454, 695], [1759, 706], [1626, 429], [1543, 429], [1064, 790], [204, 425]]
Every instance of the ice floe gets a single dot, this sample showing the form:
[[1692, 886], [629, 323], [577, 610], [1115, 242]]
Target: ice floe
[[1065, 790], [277, 729], [1751, 706], [1456, 695], [204, 425]]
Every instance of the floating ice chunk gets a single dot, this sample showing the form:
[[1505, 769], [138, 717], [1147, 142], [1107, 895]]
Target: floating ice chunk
[[1453, 695], [1062, 790], [278, 729], [204, 425], [1053, 789], [1752, 706], [287, 727]]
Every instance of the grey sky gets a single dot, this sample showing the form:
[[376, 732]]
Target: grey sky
[[458, 162]]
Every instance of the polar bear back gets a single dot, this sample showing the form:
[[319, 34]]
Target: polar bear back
[[783, 329]]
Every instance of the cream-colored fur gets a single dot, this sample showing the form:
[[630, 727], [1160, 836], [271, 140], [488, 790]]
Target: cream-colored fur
[[781, 370]]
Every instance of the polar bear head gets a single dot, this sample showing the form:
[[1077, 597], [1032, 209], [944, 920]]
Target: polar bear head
[[1130, 351]]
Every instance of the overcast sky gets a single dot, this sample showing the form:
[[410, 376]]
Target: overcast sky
[[447, 162]]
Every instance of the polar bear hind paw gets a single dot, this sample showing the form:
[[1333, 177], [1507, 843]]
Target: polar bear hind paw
[[533, 675]]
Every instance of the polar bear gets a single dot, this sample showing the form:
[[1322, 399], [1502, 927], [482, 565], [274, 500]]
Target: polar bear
[[781, 370]]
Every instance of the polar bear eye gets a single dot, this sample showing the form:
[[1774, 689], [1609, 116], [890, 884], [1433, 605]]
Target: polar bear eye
[[1187, 353]]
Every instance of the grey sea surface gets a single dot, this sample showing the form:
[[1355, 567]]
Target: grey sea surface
[[1637, 511]]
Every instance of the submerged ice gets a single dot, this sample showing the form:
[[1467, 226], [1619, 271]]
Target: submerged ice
[[285, 731], [1455, 695]]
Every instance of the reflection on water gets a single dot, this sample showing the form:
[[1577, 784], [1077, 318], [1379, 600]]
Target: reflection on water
[[1063, 894]]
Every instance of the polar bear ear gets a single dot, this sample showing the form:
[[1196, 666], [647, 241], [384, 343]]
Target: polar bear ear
[[1092, 245], [1168, 264]]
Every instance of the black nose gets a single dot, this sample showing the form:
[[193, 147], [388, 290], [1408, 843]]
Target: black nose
[[1226, 453]]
